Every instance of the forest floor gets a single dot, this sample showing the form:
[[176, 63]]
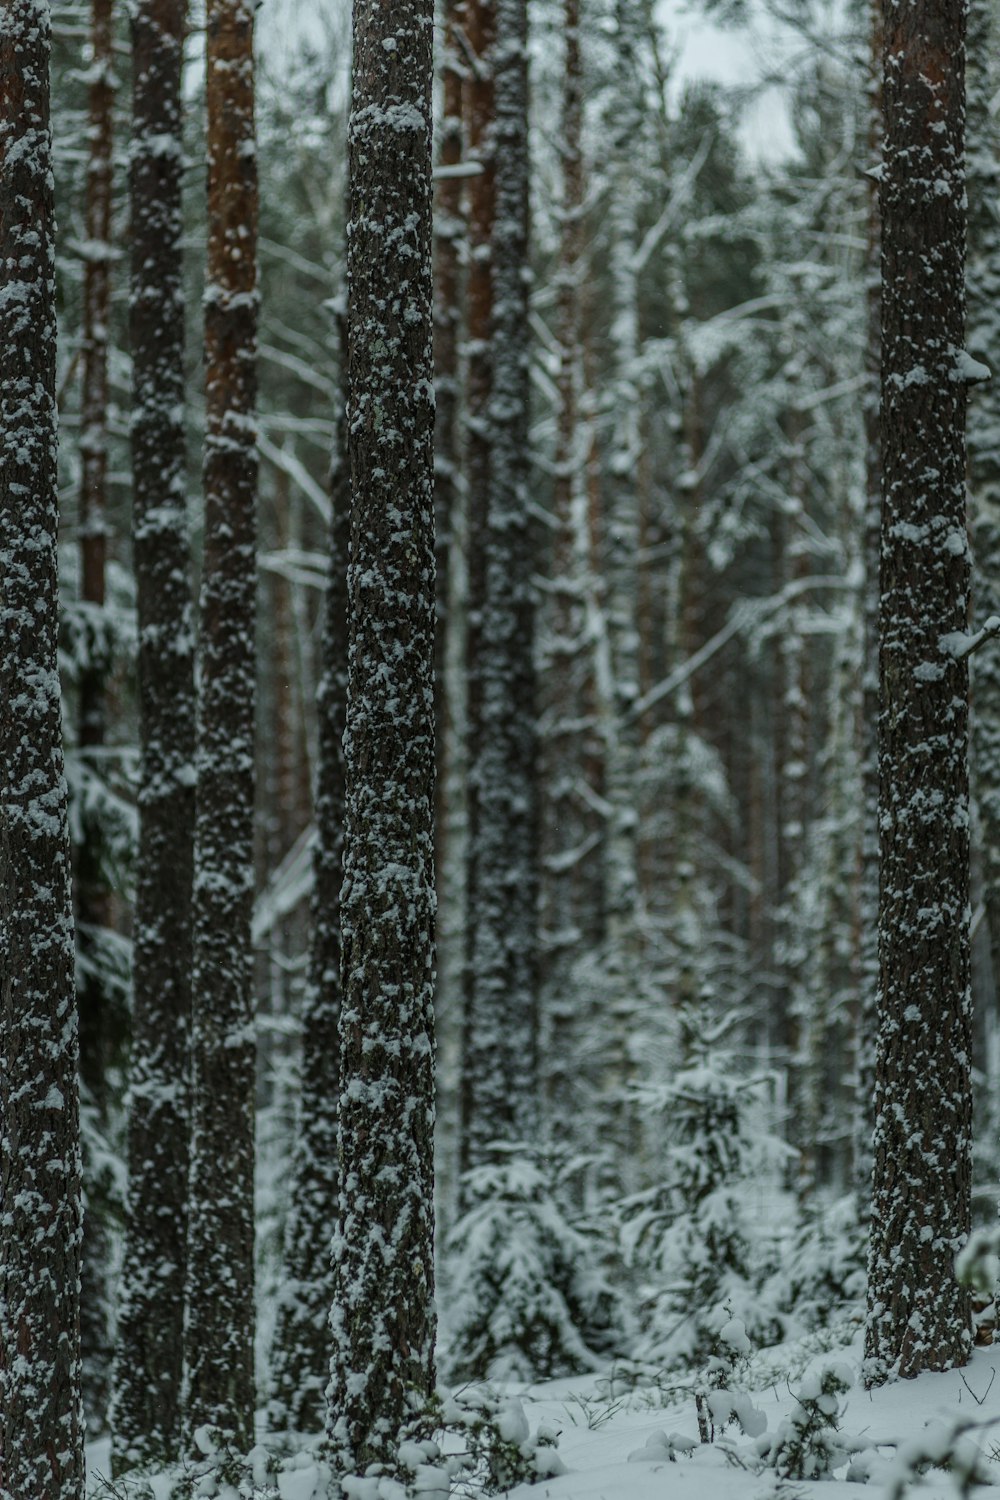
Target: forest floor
[[615, 1445], [614, 1449]]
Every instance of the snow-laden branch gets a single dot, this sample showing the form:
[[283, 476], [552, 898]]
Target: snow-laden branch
[[675, 202], [750, 612], [297, 473], [959, 644]]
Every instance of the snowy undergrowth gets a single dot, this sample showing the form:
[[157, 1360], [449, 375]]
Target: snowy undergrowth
[[530, 1299], [933, 1438]]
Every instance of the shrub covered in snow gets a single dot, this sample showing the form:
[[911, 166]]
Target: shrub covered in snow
[[821, 1276], [530, 1300], [689, 1237], [807, 1444]]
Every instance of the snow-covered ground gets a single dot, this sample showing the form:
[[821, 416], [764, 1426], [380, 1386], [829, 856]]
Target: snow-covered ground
[[614, 1443], [613, 1448]]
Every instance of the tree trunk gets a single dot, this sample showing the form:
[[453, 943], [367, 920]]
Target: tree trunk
[[102, 1024], [41, 1431], [499, 1054], [984, 455], [918, 1316], [301, 1359], [572, 832], [867, 960], [220, 1285], [383, 1311], [148, 1366]]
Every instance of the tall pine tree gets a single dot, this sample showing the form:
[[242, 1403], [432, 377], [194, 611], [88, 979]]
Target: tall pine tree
[[41, 1425], [383, 1310], [220, 1270], [918, 1316], [147, 1373]]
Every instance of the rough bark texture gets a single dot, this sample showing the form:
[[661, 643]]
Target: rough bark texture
[[301, 1359], [383, 1313], [918, 1316], [146, 1385], [449, 234], [867, 1010], [499, 1051], [983, 281], [220, 1296], [102, 1024], [41, 1437]]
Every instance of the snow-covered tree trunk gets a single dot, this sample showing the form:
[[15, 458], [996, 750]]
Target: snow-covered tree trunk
[[983, 276], [918, 1315], [618, 653], [383, 1310], [101, 1022], [147, 1375], [449, 234], [301, 1357], [498, 1065], [41, 1423], [220, 1277], [572, 828], [867, 1010]]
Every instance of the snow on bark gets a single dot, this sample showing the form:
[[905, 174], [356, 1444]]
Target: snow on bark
[[220, 1283], [146, 1382], [572, 823], [499, 1044], [918, 1316], [301, 1357], [101, 1022], [868, 748], [41, 1437], [383, 1314], [983, 282]]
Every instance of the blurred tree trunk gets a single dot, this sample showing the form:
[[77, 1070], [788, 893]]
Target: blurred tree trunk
[[499, 1053], [149, 1357], [301, 1357], [220, 1273], [102, 1022]]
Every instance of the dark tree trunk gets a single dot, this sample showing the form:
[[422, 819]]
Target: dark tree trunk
[[918, 1315], [41, 1432], [499, 1052], [867, 958], [148, 1366], [984, 453], [220, 1272], [301, 1359], [449, 233], [102, 1024], [383, 1309]]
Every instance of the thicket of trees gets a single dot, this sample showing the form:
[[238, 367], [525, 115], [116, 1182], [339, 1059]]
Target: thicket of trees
[[554, 819]]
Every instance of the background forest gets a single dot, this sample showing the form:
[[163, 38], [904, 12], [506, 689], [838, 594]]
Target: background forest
[[689, 1165]]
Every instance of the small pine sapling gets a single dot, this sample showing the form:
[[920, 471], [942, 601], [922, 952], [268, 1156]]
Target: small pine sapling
[[808, 1443], [531, 1300], [690, 1235]]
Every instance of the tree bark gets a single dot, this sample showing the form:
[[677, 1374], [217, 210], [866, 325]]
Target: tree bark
[[984, 455], [41, 1426], [148, 1367], [383, 1313], [220, 1273], [918, 1316], [500, 1034], [301, 1359]]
